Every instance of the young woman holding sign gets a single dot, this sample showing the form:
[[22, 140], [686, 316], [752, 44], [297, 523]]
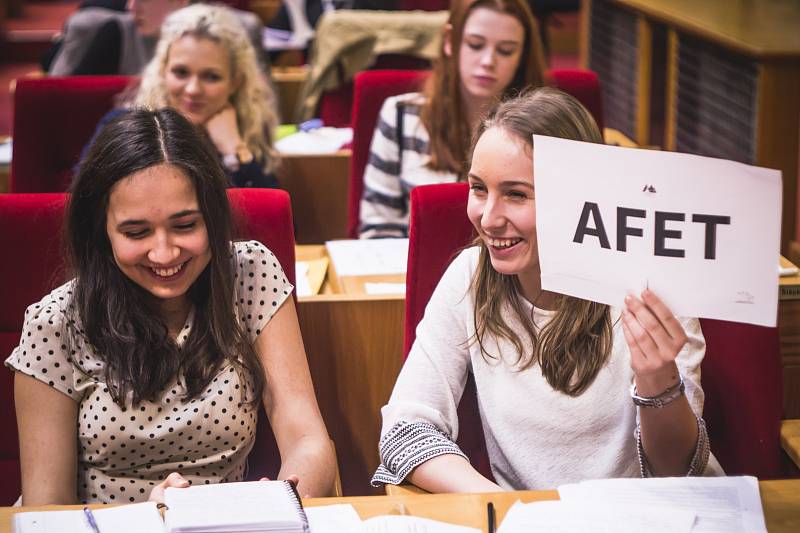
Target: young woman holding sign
[[568, 389]]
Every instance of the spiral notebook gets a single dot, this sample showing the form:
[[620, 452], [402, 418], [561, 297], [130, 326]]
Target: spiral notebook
[[258, 506]]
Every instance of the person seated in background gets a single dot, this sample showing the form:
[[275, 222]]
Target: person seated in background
[[154, 360], [553, 373], [490, 49], [107, 37], [205, 68]]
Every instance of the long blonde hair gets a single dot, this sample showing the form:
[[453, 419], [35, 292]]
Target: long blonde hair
[[575, 343], [253, 99], [442, 114]]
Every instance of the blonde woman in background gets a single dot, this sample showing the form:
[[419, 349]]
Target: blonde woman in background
[[205, 68]]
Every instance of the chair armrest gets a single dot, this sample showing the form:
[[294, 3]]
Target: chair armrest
[[406, 489], [790, 439]]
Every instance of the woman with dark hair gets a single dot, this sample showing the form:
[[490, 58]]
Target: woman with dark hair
[[490, 49], [156, 356], [568, 389]]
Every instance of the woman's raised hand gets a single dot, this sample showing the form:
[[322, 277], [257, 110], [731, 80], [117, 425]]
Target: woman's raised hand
[[655, 338], [223, 130]]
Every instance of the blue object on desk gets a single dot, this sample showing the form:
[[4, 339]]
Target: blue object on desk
[[312, 124], [90, 519]]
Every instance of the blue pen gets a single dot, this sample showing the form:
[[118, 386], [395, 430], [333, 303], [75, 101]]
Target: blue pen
[[90, 518]]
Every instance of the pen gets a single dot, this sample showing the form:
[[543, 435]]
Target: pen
[[490, 517], [90, 519]]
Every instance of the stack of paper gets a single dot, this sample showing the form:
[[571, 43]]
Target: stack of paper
[[697, 505], [254, 507]]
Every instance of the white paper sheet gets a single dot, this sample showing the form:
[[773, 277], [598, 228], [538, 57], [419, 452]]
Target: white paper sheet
[[384, 288], [303, 288], [722, 504], [729, 275], [333, 518], [567, 517], [368, 256], [411, 524], [319, 141], [135, 518]]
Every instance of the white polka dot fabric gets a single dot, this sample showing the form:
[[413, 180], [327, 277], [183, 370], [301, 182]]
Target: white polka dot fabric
[[124, 451]]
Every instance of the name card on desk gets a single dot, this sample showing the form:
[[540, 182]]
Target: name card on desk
[[702, 233]]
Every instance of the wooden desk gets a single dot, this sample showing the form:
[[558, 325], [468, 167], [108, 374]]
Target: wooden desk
[[780, 500], [317, 185], [789, 326], [289, 82], [354, 344]]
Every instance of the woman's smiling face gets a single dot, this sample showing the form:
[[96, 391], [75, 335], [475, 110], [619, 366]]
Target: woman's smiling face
[[198, 78], [157, 233], [501, 202]]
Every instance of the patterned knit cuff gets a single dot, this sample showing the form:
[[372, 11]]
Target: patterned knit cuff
[[699, 460], [406, 446]]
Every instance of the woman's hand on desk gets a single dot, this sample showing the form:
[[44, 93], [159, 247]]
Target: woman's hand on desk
[[173, 480]]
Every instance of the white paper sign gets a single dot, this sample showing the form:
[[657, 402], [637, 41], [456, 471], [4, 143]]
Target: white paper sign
[[702, 233]]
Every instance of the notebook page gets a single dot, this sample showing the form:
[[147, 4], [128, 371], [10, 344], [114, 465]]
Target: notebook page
[[231, 505], [135, 518]]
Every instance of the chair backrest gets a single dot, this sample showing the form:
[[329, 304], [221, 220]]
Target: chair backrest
[[741, 372], [370, 90], [373, 87], [336, 105], [584, 85], [30, 232], [53, 119]]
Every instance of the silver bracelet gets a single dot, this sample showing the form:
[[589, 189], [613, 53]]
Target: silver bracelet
[[665, 398]]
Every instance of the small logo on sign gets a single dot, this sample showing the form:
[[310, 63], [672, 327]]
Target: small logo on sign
[[649, 189], [744, 297]]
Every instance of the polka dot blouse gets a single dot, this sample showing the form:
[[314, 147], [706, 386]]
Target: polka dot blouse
[[124, 451]]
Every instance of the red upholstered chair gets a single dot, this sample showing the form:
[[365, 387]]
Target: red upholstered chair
[[584, 85], [373, 87], [30, 234], [741, 373], [53, 119], [336, 105]]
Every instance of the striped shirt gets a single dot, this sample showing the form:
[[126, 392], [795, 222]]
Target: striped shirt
[[388, 178]]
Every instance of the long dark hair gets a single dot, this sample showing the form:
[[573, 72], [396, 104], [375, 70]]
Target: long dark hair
[[575, 343], [442, 114], [116, 314]]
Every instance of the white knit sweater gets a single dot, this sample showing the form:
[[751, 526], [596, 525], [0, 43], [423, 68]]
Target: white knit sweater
[[537, 437]]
